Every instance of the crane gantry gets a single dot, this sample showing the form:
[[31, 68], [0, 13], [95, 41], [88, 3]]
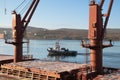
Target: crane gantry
[[19, 25], [97, 28]]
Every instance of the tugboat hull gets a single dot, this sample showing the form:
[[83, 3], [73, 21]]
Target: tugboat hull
[[62, 53]]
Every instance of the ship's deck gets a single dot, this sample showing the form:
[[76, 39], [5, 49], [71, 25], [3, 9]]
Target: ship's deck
[[40, 69], [5, 57], [48, 65], [55, 66]]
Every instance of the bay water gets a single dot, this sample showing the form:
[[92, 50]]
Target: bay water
[[38, 48]]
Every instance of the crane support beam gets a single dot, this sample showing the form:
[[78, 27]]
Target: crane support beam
[[97, 27], [28, 11], [30, 14], [107, 17], [101, 3], [19, 26]]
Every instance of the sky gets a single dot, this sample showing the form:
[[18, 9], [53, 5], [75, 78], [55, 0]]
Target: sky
[[55, 14]]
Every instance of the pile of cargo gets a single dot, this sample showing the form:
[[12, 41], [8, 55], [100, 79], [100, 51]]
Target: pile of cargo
[[112, 76], [48, 65], [42, 70]]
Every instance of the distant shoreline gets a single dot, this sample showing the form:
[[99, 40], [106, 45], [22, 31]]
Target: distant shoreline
[[63, 34]]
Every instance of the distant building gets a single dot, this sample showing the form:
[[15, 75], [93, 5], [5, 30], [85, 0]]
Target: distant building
[[1, 36]]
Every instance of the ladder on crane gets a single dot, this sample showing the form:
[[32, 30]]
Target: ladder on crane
[[26, 48]]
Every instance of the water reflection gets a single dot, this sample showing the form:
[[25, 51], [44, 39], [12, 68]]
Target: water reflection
[[59, 57]]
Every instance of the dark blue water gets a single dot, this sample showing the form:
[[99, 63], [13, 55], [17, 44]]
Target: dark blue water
[[38, 48]]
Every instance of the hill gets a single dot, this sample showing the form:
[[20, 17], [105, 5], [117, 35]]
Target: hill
[[63, 33], [56, 34]]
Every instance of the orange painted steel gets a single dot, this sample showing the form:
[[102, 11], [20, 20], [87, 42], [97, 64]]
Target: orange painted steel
[[31, 73], [19, 26], [2, 36], [97, 28], [17, 36]]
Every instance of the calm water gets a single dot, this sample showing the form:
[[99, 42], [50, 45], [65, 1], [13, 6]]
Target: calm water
[[38, 48]]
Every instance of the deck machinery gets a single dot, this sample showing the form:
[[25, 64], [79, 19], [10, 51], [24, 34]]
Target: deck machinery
[[97, 29], [19, 26]]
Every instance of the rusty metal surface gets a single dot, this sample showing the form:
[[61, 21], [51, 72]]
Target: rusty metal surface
[[30, 73], [97, 27], [49, 66], [17, 36], [58, 70], [75, 74], [19, 25], [64, 70]]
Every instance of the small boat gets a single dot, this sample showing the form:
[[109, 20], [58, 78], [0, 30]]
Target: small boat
[[57, 51]]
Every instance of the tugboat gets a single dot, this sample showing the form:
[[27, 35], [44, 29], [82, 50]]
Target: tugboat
[[57, 51]]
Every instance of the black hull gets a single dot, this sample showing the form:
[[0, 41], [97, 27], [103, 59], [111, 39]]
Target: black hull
[[62, 53]]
